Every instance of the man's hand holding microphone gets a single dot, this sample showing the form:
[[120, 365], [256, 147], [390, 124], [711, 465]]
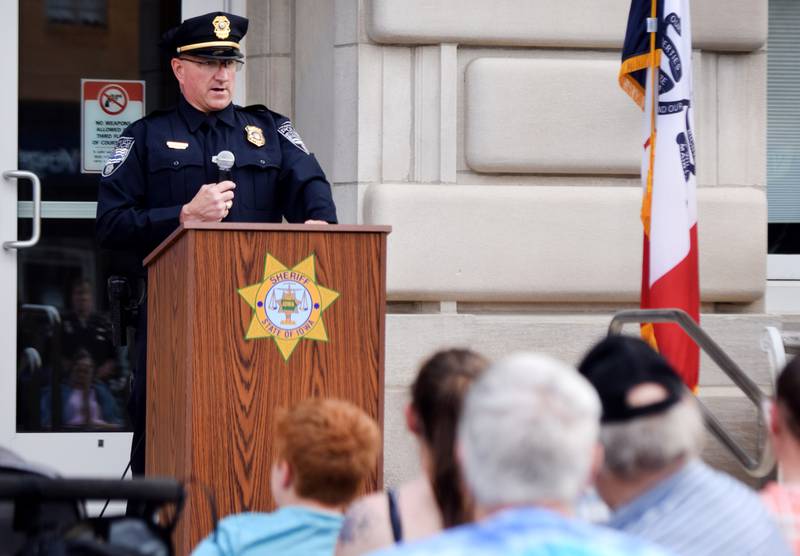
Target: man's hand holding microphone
[[214, 200]]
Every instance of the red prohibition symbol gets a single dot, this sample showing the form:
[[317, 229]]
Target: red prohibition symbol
[[113, 99]]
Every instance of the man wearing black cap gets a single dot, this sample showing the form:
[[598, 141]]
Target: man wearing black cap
[[652, 477], [163, 169]]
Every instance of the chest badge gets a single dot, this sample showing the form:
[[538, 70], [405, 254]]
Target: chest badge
[[222, 27], [255, 135]]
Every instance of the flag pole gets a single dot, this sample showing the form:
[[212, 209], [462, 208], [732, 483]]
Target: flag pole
[[647, 330]]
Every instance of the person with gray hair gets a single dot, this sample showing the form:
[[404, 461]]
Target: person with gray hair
[[528, 445], [652, 477]]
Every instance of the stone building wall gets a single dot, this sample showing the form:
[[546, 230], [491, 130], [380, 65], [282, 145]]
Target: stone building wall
[[494, 139]]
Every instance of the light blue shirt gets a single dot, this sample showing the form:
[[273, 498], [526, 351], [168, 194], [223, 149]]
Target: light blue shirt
[[289, 531], [527, 532], [700, 511]]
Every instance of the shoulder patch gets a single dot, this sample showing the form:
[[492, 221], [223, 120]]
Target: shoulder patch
[[287, 130], [120, 153]]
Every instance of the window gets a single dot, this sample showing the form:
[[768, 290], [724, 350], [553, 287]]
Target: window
[[77, 12], [783, 127]]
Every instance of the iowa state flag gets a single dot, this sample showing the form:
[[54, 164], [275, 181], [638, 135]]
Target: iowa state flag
[[669, 204]]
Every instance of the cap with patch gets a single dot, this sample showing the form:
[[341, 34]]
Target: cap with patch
[[213, 35], [618, 365]]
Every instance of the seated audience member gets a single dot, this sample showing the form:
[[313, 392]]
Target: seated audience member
[[325, 450], [84, 328], [783, 499], [652, 477], [85, 402], [423, 506], [528, 443]]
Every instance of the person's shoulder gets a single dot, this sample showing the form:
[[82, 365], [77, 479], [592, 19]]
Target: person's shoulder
[[375, 503], [233, 531], [366, 526], [156, 118], [283, 124], [736, 495], [464, 539], [779, 497], [605, 541], [259, 111], [246, 520]]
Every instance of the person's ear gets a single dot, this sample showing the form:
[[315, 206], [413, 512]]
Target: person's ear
[[598, 455], [177, 69], [287, 475], [773, 416], [412, 421]]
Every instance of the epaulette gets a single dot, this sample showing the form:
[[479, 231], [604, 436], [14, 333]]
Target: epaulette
[[158, 112], [255, 108]]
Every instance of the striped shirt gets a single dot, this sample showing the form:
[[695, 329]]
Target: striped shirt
[[783, 502], [527, 532], [701, 511]]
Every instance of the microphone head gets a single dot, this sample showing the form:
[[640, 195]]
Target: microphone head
[[224, 160]]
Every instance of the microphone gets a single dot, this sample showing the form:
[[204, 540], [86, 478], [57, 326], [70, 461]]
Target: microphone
[[224, 161]]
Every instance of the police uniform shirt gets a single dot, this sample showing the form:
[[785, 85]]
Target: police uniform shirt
[[161, 161], [92, 334]]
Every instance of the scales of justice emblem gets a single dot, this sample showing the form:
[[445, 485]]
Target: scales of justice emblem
[[288, 304]]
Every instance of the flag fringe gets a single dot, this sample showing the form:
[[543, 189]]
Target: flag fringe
[[628, 83]]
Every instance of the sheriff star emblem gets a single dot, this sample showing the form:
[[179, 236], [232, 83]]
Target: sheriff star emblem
[[288, 304], [222, 27], [255, 135]]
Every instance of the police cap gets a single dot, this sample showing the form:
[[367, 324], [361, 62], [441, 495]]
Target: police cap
[[213, 35]]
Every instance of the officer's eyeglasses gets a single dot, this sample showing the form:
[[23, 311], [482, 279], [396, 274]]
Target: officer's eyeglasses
[[213, 66]]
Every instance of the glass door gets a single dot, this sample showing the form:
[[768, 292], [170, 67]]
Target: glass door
[[65, 384]]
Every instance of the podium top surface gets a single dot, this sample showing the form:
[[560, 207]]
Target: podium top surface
[[261, 227]]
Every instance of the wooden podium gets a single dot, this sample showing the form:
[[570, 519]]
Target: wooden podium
[[213, 394]]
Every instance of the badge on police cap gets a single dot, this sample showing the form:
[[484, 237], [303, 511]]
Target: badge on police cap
[[255, 135], [222, 27]]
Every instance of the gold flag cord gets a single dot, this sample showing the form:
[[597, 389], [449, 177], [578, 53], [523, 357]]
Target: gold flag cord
[[647, 330]]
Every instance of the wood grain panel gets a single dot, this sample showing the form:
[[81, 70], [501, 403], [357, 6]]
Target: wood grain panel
[[233, 388], [169, 423]]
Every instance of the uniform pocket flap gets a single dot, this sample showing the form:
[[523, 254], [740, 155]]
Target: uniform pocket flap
[[259, 159], [174, 159]]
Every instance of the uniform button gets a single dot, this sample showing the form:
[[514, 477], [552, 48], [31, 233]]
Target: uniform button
[[175, 162], [262, 161]]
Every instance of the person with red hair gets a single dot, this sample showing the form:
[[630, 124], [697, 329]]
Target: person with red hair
[[325, 450]]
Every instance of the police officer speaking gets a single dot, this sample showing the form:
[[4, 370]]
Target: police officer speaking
[[165, 168]]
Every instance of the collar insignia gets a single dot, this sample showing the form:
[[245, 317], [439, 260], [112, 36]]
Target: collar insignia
[[255, 135], [222, 27]]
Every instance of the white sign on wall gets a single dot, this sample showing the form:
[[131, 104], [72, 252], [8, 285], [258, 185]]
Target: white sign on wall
[[107, 108]]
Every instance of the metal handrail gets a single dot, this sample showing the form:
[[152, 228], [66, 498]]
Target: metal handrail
[[758, 467]]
